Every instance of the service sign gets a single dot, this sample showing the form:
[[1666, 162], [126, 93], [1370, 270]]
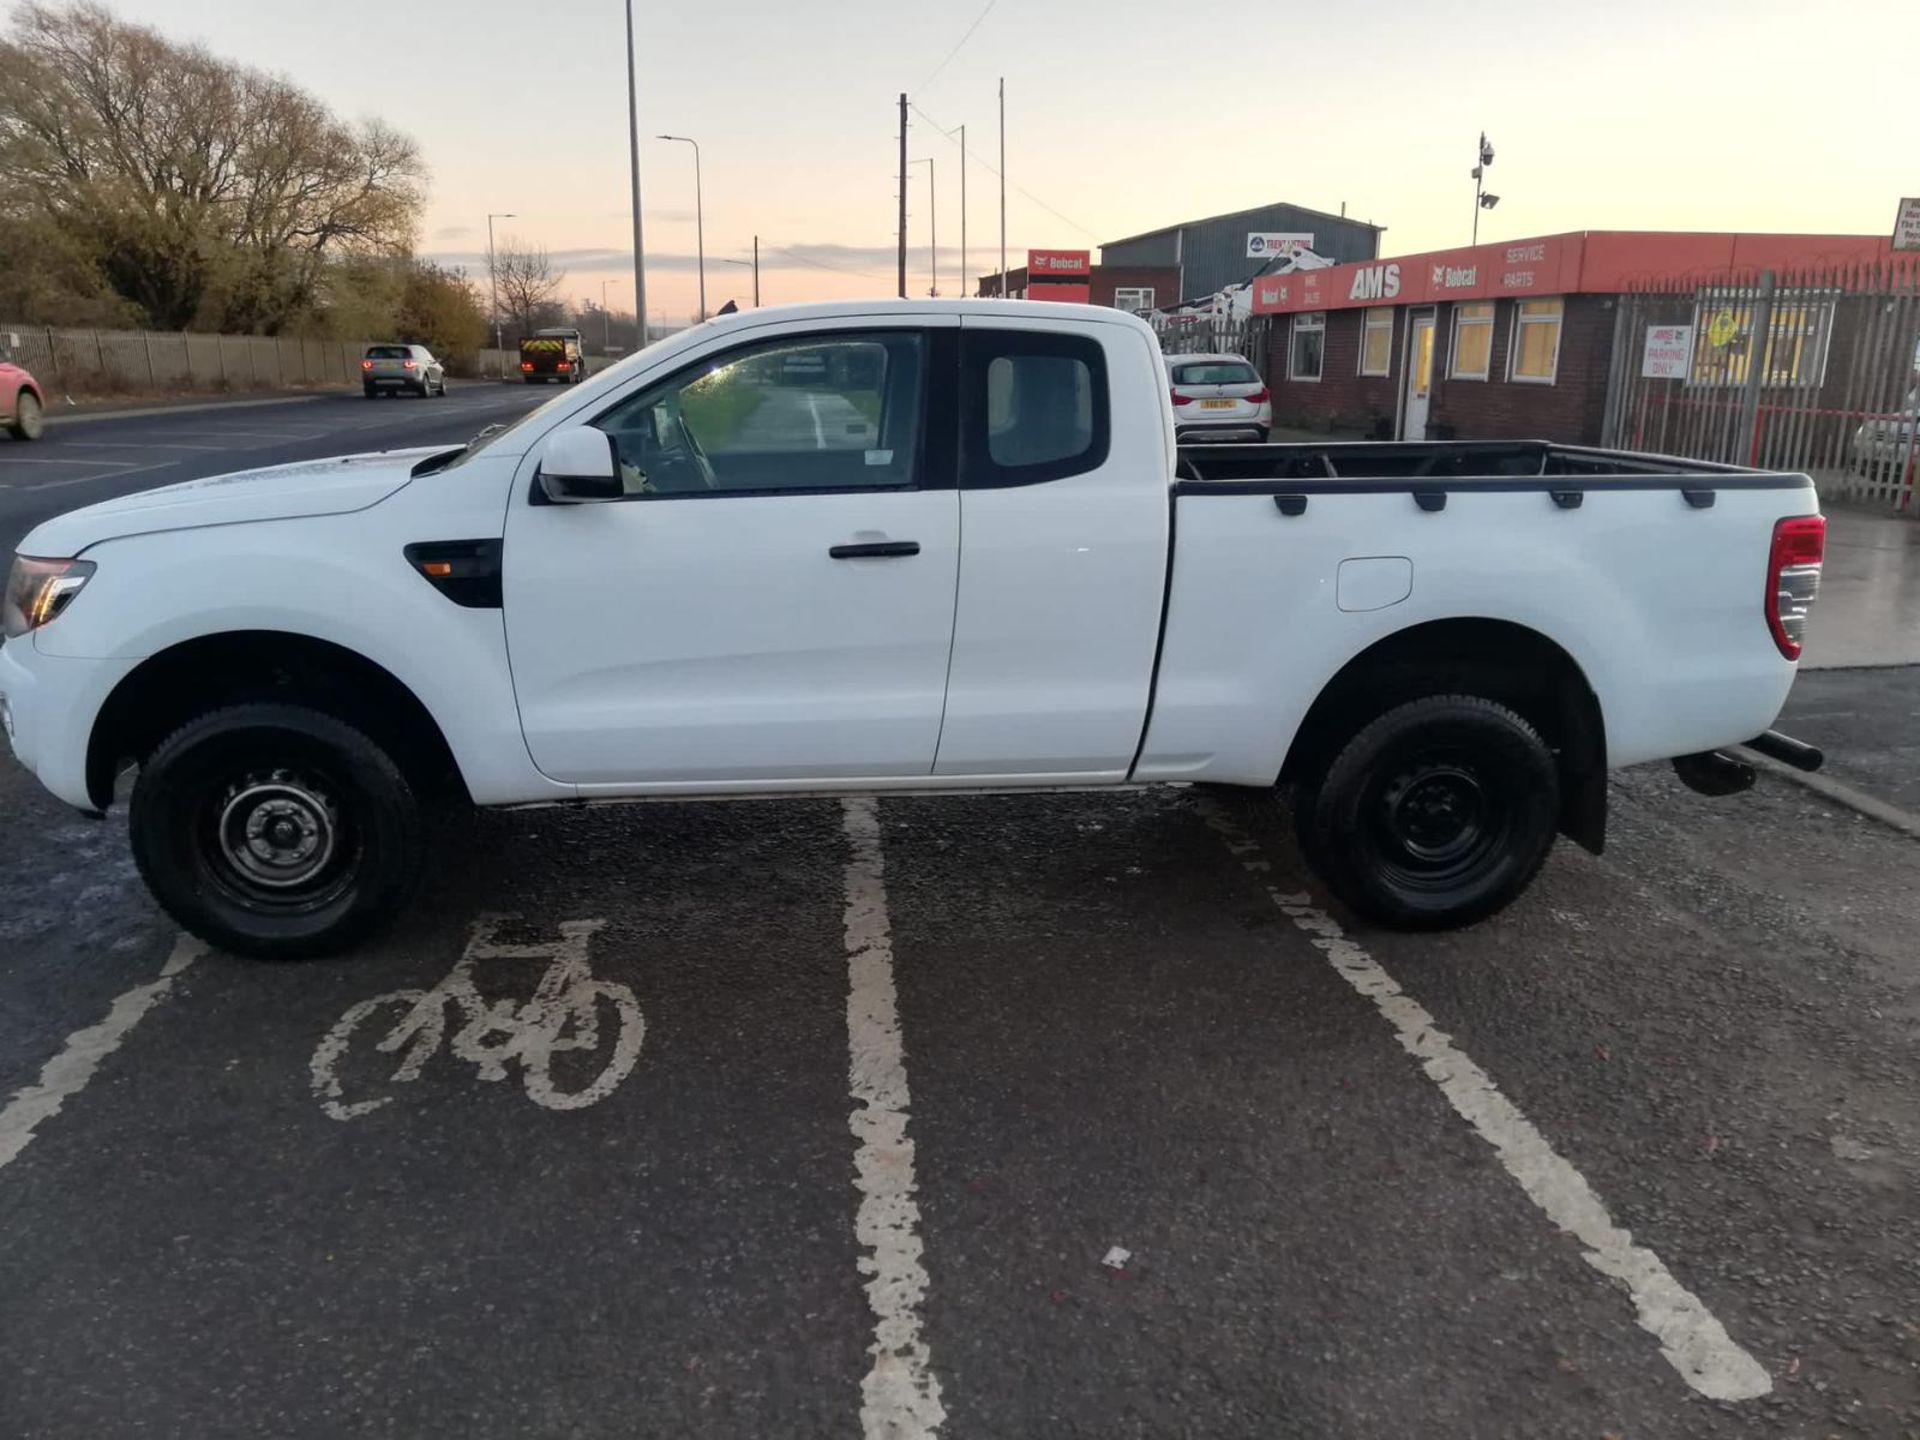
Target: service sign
[[1668, 354], [1266, 244], [1045, 265], [1906, 225]]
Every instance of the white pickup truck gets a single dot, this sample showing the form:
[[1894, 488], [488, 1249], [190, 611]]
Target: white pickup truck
[[884, 548]]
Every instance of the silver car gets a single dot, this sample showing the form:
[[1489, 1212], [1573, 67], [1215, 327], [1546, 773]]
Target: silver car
[[401, 367], [1886, 444], [1217, 398]]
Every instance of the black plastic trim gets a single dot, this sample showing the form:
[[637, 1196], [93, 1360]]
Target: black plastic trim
[[475, 565], [1698, 496], [1539, 484], [1430, 499], [1568, 499], [1291, 504], [875, 550]]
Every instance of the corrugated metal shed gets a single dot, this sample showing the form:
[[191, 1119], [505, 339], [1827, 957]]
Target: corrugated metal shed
[[1212, 253]]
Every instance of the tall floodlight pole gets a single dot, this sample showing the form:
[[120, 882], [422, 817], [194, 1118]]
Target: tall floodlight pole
[[902, 246], [963, 213], [633, 145], [1003, 187], [699, 217]]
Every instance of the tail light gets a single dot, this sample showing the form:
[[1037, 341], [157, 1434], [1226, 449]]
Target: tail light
[[1793, 578], [1260, 396], [1180, 399], [564, 366], [527, 365], [366, 364], [406, 364]]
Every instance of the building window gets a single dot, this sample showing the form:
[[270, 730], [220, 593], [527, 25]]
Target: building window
[[1796, 342], [1135, 300], [1308, 352], [1536, 341], [1472, 341], [1376, 342]]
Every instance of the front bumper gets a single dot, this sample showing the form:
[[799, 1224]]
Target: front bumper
[[50, 704]]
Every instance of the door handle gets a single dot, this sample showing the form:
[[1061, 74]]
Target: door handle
[[875, 550]]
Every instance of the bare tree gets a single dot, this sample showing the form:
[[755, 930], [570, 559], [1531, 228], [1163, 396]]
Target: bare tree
[[202, 190], [527, 282]]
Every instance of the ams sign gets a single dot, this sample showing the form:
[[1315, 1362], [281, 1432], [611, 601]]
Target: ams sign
[[1375, 282]]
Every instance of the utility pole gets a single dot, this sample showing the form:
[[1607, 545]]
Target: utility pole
[[963, 213], [755, 263], [633, 142], [1003, 187], [903, 195], [493, 288], [933, 228]]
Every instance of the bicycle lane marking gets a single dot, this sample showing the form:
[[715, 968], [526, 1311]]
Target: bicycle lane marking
[[1691, 1338], [562, 1015], [899, 1395], [69, 1072]]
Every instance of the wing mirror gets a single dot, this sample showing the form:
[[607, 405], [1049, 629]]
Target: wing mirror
[[581, 466]]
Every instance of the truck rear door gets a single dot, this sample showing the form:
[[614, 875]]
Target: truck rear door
[[1064, 513]]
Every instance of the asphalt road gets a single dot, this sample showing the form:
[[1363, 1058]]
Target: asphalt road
[[850, 1104]]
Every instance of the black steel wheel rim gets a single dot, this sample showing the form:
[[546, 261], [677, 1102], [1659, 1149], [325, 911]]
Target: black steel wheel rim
[[1437, 821], [277, 840]]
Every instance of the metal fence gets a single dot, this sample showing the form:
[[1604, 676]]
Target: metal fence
[[1213, 335], [124, 360], [1816, 371]]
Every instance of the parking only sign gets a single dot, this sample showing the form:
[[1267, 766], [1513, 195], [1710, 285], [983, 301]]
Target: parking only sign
[[1669, 352], [1906, 225]]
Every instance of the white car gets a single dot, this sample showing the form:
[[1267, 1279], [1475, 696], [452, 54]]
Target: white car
[[1218, 398], [388, 369], [1886, 445], [964, 554]]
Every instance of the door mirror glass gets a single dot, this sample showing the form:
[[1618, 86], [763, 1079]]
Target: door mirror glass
[[580, 467]]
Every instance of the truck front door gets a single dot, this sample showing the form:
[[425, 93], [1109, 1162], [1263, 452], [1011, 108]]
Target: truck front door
[[772, 599]]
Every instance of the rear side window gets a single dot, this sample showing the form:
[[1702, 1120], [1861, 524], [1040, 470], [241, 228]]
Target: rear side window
[[1034, 407], [1219, 372], [389, 352]]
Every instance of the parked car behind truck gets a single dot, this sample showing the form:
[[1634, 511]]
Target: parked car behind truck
[[966, 555]]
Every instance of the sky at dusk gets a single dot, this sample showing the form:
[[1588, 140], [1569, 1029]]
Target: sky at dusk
[[1121, 117]]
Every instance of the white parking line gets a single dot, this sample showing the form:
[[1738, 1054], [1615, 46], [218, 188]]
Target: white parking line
[[1694, 1342], [899, 1396], [67, 1073]]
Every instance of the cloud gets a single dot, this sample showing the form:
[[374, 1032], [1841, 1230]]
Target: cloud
[[453, 232]]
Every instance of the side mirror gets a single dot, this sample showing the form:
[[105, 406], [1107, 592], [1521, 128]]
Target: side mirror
[[581, 466]]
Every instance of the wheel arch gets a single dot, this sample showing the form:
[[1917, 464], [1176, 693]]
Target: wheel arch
[[208, 672], [1499, 659]]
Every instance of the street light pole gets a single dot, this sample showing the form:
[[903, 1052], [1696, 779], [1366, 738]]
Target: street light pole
[[493, 285], [606, 321], [699, 217], [963, 212], [754, 264], [633, 144]]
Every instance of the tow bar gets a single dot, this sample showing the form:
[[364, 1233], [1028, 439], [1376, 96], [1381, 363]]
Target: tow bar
[[1713, 772]]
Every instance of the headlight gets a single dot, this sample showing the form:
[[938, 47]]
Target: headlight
[[38, 590]]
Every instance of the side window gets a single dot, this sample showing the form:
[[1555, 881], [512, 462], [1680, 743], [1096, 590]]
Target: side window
[[829, 412], [1034, 407]]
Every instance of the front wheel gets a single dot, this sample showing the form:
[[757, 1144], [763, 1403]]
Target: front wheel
[[27, 421], [1436, 814], [275, 831]]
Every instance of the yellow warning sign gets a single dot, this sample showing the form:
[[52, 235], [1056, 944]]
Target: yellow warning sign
[[1721, 329]]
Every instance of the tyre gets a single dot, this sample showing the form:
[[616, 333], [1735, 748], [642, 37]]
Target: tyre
[[28, 418], [1436, 814], [275, 831], [368, 391]]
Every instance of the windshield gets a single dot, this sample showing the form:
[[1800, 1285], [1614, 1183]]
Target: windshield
[[493, 434], [388, 352], [1216, 372]]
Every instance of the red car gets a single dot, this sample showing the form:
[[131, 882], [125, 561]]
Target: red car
[[22, 402]]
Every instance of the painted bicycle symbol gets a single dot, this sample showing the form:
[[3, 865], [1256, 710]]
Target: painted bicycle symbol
[[571, 1017]]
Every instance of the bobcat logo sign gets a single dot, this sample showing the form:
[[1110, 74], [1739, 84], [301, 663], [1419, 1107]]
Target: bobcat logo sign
[[1375, 282]]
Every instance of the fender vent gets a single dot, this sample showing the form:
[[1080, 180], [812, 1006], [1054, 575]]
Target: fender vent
[[467, 572]]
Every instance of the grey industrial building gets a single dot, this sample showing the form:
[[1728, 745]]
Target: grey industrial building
[[1211, 254]]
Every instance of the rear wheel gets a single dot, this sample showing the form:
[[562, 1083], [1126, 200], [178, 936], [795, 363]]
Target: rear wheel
[[1437, 814], [28, 423], [275, 831]]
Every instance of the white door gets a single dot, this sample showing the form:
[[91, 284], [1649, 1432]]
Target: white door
[[1064, 502], [772, 599], [1419, 377]]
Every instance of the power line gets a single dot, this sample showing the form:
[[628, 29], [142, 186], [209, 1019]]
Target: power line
[[957, 44], [823, 265], [976, 157]]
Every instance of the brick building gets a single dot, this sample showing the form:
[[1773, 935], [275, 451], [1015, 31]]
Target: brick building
[[1499, 341], [1130, 287]]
